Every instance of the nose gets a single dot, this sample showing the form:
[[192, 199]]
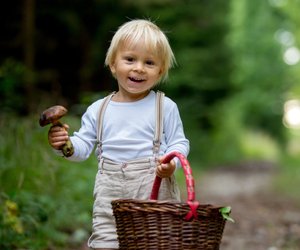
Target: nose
[[139, 67]]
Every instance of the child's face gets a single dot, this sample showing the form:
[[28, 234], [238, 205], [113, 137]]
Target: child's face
[[136, 69]]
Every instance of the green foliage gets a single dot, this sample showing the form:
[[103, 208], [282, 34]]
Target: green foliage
[[225, 211], [45, 200], [259, 73]]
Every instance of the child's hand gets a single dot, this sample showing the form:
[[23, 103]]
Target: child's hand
[[165, 170], [58, 136]]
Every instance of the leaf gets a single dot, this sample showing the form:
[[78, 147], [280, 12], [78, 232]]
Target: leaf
[[225, 211]]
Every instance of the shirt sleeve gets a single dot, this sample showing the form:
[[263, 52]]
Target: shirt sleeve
[[84, 140], [174, 131]]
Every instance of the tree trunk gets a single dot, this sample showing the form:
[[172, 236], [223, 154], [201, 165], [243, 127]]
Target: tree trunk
[[29, 51]]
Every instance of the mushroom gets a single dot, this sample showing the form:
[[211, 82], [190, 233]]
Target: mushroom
[[52, 115]]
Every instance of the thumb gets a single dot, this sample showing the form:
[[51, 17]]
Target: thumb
[[66, 126], [164, 166]]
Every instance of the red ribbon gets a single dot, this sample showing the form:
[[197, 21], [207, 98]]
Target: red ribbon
[[193, 210]]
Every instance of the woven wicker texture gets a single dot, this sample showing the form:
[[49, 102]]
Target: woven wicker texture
[[163, 225], [160, 225]]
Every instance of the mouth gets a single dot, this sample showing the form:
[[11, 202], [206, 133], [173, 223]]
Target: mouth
[[136, 79]]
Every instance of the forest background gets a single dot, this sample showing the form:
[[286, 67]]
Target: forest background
[[236, 84]]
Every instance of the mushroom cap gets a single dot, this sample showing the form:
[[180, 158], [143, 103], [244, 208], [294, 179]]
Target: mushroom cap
[[52, 115]]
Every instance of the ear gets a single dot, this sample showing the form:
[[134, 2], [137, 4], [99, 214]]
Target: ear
[[160, 73], [112, 68]]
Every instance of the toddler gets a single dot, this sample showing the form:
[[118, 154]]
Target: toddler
[[133, 128]]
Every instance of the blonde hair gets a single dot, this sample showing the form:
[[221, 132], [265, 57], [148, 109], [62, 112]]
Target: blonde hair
[[134, 31]]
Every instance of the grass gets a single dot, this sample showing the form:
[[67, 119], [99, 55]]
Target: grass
[[45, 200]]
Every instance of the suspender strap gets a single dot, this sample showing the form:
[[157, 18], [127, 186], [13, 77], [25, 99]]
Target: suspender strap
[[158, 123], [102, 109]]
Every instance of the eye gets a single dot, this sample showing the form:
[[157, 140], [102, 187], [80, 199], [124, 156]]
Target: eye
[[150, 62], [129, 58]]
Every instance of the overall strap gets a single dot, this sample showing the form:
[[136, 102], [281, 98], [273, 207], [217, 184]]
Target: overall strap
[[101, 112], [158, 123]]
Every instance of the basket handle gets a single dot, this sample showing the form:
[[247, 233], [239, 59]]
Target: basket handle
[[190, 183]]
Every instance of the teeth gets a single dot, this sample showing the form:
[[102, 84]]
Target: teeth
[[136, 79]]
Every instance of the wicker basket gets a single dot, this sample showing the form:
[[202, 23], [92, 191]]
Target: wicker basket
[[152, 224]]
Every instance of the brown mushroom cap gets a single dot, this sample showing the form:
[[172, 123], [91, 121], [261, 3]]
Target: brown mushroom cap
[[52, 115]]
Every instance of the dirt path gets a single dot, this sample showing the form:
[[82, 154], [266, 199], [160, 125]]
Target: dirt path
[[263, 221]]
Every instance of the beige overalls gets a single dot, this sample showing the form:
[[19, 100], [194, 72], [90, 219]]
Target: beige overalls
[[132, 179]]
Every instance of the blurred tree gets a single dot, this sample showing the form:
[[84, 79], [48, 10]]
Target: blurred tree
[[74, 37], [259, 72], [230, 72], [288, 35], [28, 29]]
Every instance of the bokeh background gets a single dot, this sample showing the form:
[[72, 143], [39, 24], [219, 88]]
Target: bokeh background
[[236, 84]]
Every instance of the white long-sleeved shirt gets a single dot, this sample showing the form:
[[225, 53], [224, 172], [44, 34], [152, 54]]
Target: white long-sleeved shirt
[[128, 130]]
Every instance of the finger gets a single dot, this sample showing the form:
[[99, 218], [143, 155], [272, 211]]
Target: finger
[[157, 171], [58, 136], [58, 141], [56, 128], [66, 126], [164, 167], [160, 172], [160, 159], [57, 144]]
